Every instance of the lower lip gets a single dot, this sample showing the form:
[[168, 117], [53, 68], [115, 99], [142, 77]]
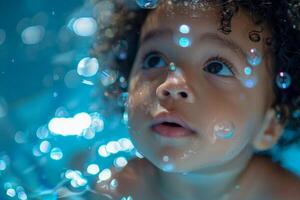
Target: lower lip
[[169, 131]]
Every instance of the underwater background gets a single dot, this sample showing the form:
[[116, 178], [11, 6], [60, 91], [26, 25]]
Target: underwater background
[[58, 125]]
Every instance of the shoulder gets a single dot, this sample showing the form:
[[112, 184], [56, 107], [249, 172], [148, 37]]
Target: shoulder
[[275, 181], [132, 180]]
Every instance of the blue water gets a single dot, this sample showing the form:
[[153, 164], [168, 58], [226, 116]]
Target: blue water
[[38, 82]]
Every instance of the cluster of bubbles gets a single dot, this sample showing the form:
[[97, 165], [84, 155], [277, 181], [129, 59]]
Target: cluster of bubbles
[[182, 38], [82, 124], [77, 181], [113, 147], [254, 58], [15, 191]]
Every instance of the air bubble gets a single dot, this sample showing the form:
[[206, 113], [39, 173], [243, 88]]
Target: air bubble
[[248, 71], [113, 184], [249, 82], [45, 146], [148, 4], [22, 195], [42, 132], [120, 162], [93, 169], [120, 49], [184, 29], [105, 175], [123, 99], [184, 42], [165, 158], [56, 153], [97, 122], [88, 133], [108, 77], [88, 67], [33, 34], [224, 130], [125, 118], [254, 57], [11, 192], [283, 80], [103, 152]]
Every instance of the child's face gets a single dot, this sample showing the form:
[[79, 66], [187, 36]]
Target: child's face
[[212, 98]]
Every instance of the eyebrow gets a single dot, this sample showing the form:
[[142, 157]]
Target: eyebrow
[[227, 42]]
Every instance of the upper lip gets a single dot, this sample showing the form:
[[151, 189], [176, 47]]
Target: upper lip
[[170, 117]]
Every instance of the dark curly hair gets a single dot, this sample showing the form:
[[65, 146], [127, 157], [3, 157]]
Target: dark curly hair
[[282, 16]]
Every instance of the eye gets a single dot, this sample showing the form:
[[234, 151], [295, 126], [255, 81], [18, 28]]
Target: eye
[[219, 66], [153, 60]]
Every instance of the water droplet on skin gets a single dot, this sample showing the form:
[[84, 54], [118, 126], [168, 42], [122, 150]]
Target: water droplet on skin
[[184, 42], [147, 4], [224, 130], [2, 165], [165, 158], [249, 82], [184, 29], [248, 71], [283, 80], [254, 57]]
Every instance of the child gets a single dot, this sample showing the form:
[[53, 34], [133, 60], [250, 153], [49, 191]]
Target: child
[[210, 84]]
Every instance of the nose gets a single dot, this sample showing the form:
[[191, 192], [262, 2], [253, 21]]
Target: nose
[[175, 87]]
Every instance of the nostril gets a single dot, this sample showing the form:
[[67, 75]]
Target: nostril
[[166, 93], [183, 94]]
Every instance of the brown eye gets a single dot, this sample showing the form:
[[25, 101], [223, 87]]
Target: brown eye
[[219, 68], [153, 60]]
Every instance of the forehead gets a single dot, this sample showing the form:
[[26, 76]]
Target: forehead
[[203, 20], [167, 19]]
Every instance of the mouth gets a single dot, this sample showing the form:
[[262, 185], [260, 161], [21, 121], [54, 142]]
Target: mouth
[[168, 125]]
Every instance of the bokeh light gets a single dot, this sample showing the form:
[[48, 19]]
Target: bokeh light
[[64, 108]]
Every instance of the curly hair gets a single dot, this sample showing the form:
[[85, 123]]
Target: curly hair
[[282, 16]]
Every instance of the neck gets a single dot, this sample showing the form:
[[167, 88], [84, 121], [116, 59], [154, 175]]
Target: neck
[[210, 183]]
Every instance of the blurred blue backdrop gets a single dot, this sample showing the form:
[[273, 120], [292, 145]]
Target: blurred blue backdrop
[[58, 126]]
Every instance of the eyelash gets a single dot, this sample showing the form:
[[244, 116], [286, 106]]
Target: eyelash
[[214, 58], [149, 52], [222, 60]]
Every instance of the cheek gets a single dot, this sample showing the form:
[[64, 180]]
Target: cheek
[[139, 102], [245, 131]]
